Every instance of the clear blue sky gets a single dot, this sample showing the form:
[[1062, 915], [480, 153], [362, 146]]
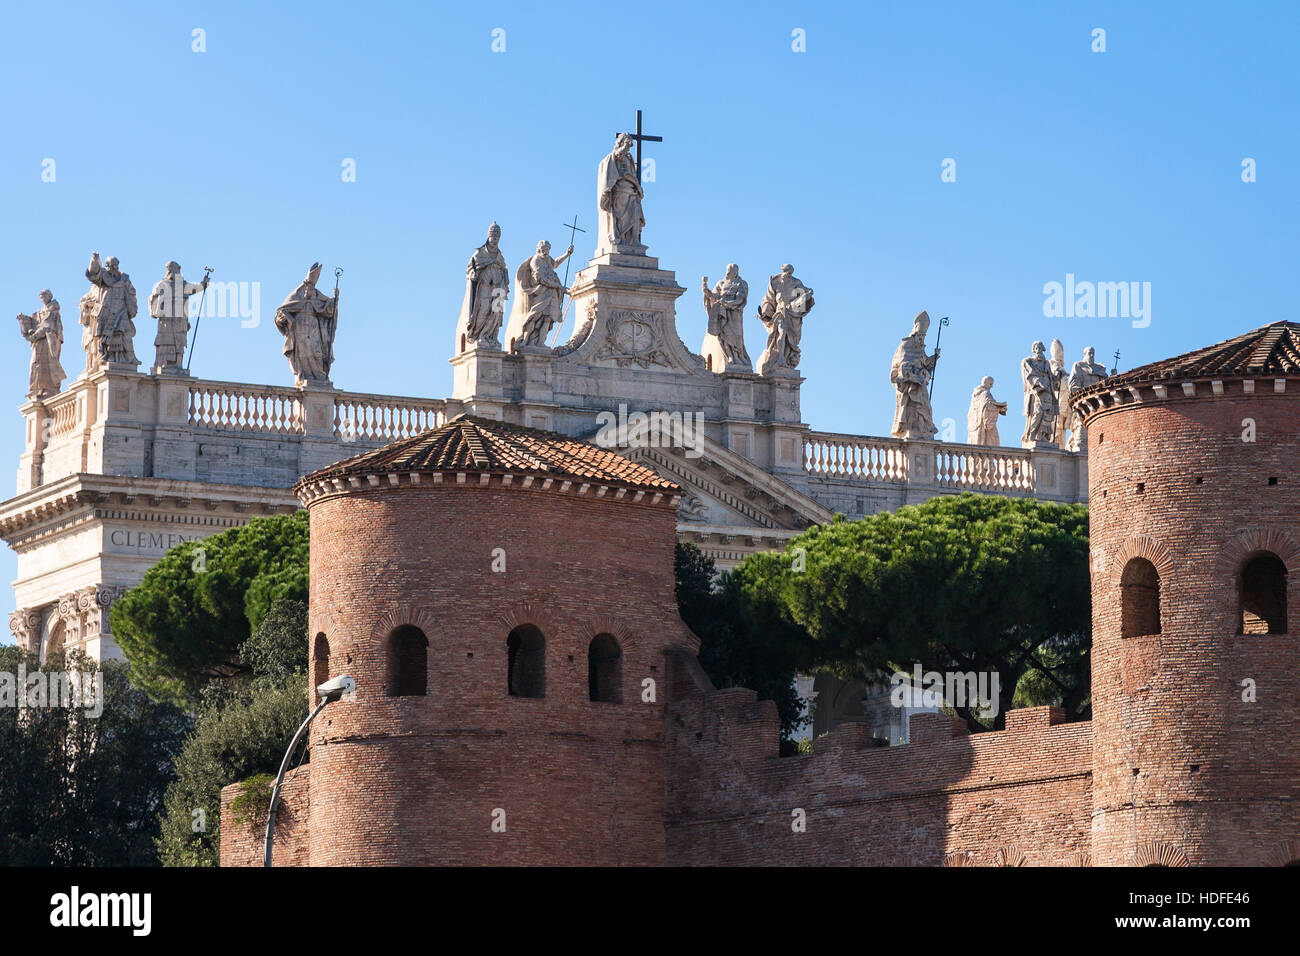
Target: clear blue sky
[[1115, 166]]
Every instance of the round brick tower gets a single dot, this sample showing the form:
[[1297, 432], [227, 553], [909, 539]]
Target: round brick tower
[[504, 598], [1194, 501]]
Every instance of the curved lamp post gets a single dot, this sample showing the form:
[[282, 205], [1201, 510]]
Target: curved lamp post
[[329, 691]]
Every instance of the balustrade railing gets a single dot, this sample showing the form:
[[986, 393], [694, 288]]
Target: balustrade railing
[[977, 468], [383, 419], [966, 467], [829, 455], [251, 408]]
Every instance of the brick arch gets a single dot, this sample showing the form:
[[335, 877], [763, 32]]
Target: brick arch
[[607, 625], [1009, 856], [1143, 546], [535, 613], [404, 615], [1080, 858], [958, 858], [1288, 851], [1156, 853], [1238, 548]]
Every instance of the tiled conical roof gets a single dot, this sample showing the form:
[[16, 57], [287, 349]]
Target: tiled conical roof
[[471, 444], [1267, 352]]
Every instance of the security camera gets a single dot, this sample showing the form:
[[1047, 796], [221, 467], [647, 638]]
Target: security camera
[[336, 687]]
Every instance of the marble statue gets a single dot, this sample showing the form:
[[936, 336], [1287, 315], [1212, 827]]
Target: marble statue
[[167, 304], [106, 314], [1062, 378], [44, 331], [910, 374], [782, 312], [724, 342], [982, 419], [308, 320], [1041, 401], [487, 283], [539, 298], [619, 195], [1084, 373]]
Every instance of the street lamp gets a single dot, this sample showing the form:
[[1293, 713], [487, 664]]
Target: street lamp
[[330, 691]]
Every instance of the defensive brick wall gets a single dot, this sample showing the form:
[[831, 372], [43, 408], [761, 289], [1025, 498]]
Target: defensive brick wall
[[1019, 795]]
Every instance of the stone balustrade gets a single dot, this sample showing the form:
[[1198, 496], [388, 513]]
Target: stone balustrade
[[383, 418], [839, 463], [254, 408], [855, 456]]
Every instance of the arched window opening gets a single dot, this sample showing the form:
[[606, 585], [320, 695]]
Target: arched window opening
[[409, 657], [526, 662], [320, 661], [605, 669], [1139, 599], [1263, 595]]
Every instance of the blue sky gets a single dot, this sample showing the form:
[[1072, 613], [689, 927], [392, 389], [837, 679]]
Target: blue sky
[[1116, 166]]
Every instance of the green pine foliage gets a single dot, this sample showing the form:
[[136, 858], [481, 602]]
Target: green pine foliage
[[242, 729], [966, 582], [183, 624]]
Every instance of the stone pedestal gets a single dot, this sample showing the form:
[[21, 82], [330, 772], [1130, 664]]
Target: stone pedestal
[[37, 424], [627, 315], [477, 374]]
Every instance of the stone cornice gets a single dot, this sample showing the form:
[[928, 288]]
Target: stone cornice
[[77, 498]]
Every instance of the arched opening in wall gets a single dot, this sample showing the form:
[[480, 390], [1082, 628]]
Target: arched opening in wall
[[526, 662], [1139, 599], [1263, 595], [408, 655], [605, 669], [320, 662], [54, 643]]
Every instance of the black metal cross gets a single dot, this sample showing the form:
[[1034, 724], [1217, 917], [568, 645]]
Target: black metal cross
[[639, 137], [1116, 368], [574, 229]]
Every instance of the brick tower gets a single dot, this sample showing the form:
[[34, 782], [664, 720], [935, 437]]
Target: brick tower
[[509, 648], [1194, 492]]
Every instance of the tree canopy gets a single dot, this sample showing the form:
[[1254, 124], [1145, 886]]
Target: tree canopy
[[183, 624], [966, 582], [242, 729], [79, 788], [743, 643]]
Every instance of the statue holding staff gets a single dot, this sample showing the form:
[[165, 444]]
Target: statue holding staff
[[910, 372], [308, 320]]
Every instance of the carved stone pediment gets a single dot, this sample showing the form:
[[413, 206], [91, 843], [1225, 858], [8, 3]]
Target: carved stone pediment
[[726, 494]]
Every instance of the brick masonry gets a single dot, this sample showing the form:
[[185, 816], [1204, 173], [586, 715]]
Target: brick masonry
[[1175, 767]]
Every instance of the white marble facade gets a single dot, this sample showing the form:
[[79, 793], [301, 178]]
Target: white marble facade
[[121, 464]]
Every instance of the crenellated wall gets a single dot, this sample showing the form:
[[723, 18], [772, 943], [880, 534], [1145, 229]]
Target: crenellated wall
[[733, 801]]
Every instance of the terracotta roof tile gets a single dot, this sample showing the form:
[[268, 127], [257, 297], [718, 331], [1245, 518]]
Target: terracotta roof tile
[[472, 444], [1267, 352]]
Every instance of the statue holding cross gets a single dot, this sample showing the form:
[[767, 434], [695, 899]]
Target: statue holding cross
[[619, 194]]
